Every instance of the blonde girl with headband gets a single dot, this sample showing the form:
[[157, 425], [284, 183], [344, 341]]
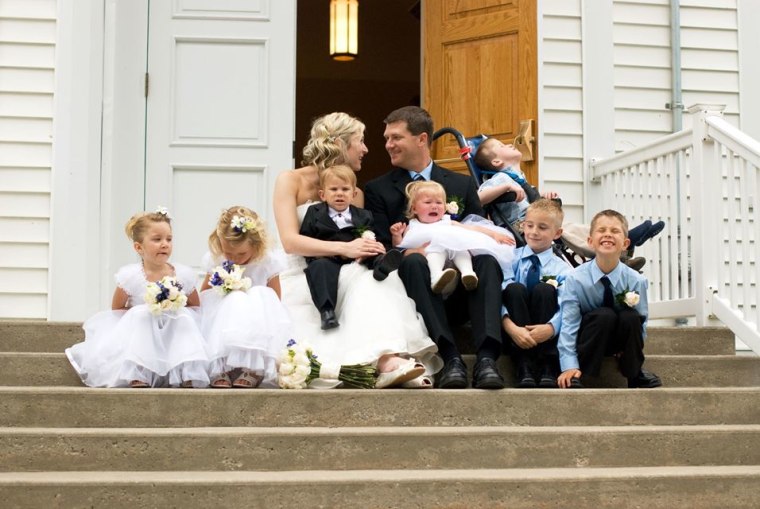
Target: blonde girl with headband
[[151, 338], [445, 239], [245, 324]]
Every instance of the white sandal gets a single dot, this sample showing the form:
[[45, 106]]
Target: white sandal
[[404, 373], [421, 382]]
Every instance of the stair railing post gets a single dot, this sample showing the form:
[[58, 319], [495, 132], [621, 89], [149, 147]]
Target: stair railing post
[[706, 204]]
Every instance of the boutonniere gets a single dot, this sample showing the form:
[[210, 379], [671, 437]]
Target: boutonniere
[[628, 298], [228, 277], [454, 206], [363, 232], [553, 280]]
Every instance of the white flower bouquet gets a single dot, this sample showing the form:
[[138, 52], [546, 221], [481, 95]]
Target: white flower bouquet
[[298, 366], [165, 296], [228, 277]]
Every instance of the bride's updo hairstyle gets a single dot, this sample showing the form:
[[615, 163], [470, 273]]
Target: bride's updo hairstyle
[[138, 225], [330, 136]]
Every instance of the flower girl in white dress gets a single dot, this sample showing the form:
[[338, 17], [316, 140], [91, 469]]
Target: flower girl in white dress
[[245, 324], [444, 239], [151, 337]]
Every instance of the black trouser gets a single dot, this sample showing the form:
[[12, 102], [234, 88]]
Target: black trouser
[[322, 276], [534, 307], [482, 306], [605, 331]]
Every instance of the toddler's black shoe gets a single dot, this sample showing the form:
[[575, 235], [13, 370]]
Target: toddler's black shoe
[[387, 264], [329, 320], [644, 380]]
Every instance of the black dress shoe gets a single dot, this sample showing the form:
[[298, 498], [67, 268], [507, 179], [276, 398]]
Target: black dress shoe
[[329, 320], [486, 375], [386, 264], [644, 380], [453, 375], [525, 378], [575, 383], [548, 379]]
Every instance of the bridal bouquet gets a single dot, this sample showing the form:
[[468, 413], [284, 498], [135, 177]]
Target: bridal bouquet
[[165, 295], [298, 366], [228, 277]]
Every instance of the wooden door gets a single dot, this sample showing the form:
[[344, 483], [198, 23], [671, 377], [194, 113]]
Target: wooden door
[[480, 71]]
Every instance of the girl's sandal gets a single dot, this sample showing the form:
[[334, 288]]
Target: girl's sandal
[[221, 382], [138, 384], [247, 380], [187, 384]]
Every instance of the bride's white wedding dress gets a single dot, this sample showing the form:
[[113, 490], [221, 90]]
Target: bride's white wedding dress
[[376, 317]]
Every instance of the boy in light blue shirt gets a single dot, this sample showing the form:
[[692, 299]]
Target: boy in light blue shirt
[[531, 314], [604, 310]]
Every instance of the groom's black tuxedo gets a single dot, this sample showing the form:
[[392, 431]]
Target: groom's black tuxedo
[[385, 197], [322, 272]]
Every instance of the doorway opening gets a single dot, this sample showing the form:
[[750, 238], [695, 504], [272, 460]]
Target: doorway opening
[[385, 75]]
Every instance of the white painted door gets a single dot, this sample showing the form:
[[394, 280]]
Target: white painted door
[[220, 110]]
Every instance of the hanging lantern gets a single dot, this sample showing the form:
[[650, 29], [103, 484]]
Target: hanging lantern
[[344, 34]]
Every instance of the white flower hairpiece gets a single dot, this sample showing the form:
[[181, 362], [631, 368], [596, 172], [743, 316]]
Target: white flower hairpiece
[[162, 210], [243, 224]]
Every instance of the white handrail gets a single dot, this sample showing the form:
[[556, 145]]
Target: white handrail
[[705, 184]]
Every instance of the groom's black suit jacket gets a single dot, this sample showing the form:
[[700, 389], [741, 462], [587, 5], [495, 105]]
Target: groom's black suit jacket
[[385, 197]]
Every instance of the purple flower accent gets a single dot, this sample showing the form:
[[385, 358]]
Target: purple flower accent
[[291, 342], [227, 265]]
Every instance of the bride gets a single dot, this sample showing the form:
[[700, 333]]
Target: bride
[[378, 322]]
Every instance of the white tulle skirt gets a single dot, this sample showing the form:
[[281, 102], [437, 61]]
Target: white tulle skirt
[[121, 346], [245, 330], [376, 318]]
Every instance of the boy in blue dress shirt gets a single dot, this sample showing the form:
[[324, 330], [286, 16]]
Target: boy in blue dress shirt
[[604, 310], [531, 312]]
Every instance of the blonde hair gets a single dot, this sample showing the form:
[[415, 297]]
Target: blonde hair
[[413, 191], [329, 138], [341, 172], [612, 214], [485, 154], [549, 207], [256, 235], [138, 225]]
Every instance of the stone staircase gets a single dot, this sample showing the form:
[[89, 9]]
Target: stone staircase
[[693, 443]]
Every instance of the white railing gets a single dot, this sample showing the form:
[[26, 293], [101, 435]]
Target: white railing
[[705, 184]]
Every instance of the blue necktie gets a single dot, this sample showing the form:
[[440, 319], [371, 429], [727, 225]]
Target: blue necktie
[[418, 178], [608, 300], [534, 272]]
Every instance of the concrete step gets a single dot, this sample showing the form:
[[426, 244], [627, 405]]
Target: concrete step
[[650, 487], [345, 448], [141, 408], [53, 369], [40, 336]]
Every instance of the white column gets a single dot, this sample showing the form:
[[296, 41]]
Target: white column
[[75, 202], [748, 12]]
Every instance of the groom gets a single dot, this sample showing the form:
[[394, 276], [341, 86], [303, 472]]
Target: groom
[[408, 133]]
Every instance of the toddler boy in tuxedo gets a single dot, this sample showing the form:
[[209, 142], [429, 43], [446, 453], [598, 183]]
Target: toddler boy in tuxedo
[[335, 219], [531, 313], [604, 310]]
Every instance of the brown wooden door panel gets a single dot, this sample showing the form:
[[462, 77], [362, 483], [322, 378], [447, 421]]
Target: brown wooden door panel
[[479, 67]]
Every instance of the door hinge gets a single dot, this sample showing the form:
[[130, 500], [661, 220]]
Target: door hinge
[[147, 83]]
